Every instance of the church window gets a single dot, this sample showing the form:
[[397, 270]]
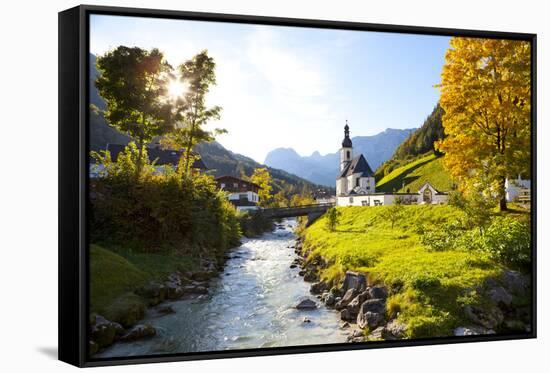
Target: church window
[[348, 155], [357, 181]]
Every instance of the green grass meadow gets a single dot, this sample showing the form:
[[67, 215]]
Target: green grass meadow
[[413, 175], [428, 289]]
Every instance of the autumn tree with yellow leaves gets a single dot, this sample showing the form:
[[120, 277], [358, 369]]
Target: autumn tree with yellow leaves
[[486, 95]]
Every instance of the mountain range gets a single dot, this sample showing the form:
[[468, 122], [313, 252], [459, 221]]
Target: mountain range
[[322, 169]]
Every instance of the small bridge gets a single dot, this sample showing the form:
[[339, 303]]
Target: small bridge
[[313, 212]]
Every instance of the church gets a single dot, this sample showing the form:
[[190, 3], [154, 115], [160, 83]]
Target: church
[[356, 185]]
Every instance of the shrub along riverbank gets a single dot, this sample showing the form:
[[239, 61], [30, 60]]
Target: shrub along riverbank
[[432, 289]]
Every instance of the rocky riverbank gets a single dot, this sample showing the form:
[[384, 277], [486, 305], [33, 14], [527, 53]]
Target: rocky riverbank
[[125, 326], [502, 304]]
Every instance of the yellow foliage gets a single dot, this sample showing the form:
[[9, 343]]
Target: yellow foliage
[[485, 92]]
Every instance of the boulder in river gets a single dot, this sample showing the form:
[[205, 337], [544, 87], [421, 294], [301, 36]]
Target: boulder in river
[[138, 332], [195, 289], [104, 332], [318, 287], [306, 304], [165, 310]]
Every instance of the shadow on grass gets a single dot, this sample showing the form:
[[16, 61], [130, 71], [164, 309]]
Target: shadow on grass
[[397, 182]]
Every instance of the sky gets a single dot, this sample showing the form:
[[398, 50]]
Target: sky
[[295, 87]]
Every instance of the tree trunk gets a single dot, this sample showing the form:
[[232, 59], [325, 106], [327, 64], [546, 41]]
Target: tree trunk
[[140, 155], [502, 203]]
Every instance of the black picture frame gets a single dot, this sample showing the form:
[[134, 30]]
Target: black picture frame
[[73, 180]]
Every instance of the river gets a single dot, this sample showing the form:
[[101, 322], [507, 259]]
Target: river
[[250, 305]]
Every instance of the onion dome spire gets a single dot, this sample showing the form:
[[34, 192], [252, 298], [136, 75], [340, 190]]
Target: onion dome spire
[[346, 143]]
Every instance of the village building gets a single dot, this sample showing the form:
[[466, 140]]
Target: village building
[[241, 193], [356, 185], [161, 157], [518, 190]]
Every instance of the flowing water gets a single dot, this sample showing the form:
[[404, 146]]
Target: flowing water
[[250, 305]]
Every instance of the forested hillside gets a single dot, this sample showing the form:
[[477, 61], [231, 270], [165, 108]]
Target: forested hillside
[[418, 143]]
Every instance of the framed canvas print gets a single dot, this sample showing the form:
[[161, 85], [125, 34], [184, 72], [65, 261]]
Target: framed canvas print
[[234, 186]]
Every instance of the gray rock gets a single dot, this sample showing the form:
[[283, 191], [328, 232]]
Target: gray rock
[[345, 315], [371, 313], [370, 319], [500, 296], [345, 325], [376, 333], [311, 276], [104, 332], [318, 287], [195, 289], [346, 299], [204, 275], [377, 292], [394, 330], [138, 332], [489, 318], [355, 304], [354, 280], [356, 336], [173, 290], [153, 290], [471, 330], [306, 304], [165, 310], [330, 300], [515, 282]]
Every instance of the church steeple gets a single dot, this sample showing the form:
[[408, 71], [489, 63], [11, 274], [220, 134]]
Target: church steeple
[[346, 143], [346, 152]]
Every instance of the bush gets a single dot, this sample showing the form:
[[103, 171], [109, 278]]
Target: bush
[[508, 241], [253, 223], [445, 237], [159, 210]]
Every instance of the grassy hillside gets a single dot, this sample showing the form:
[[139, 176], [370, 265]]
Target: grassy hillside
[[412, 175], [114, 275], [428, 289]]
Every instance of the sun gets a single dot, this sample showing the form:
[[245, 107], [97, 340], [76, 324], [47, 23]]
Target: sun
[[176, 88]]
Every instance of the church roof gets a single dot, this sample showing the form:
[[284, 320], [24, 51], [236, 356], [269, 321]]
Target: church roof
[[358, 165], [346, 143]]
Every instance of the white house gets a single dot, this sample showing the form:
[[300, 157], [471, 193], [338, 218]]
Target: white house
[[518, 190], [241, 193], [356, 186]]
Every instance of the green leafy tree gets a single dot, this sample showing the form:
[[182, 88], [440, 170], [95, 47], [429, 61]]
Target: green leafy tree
[[192, 114], [133, 81], [262, 178], [333, 218], [394, 212]]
